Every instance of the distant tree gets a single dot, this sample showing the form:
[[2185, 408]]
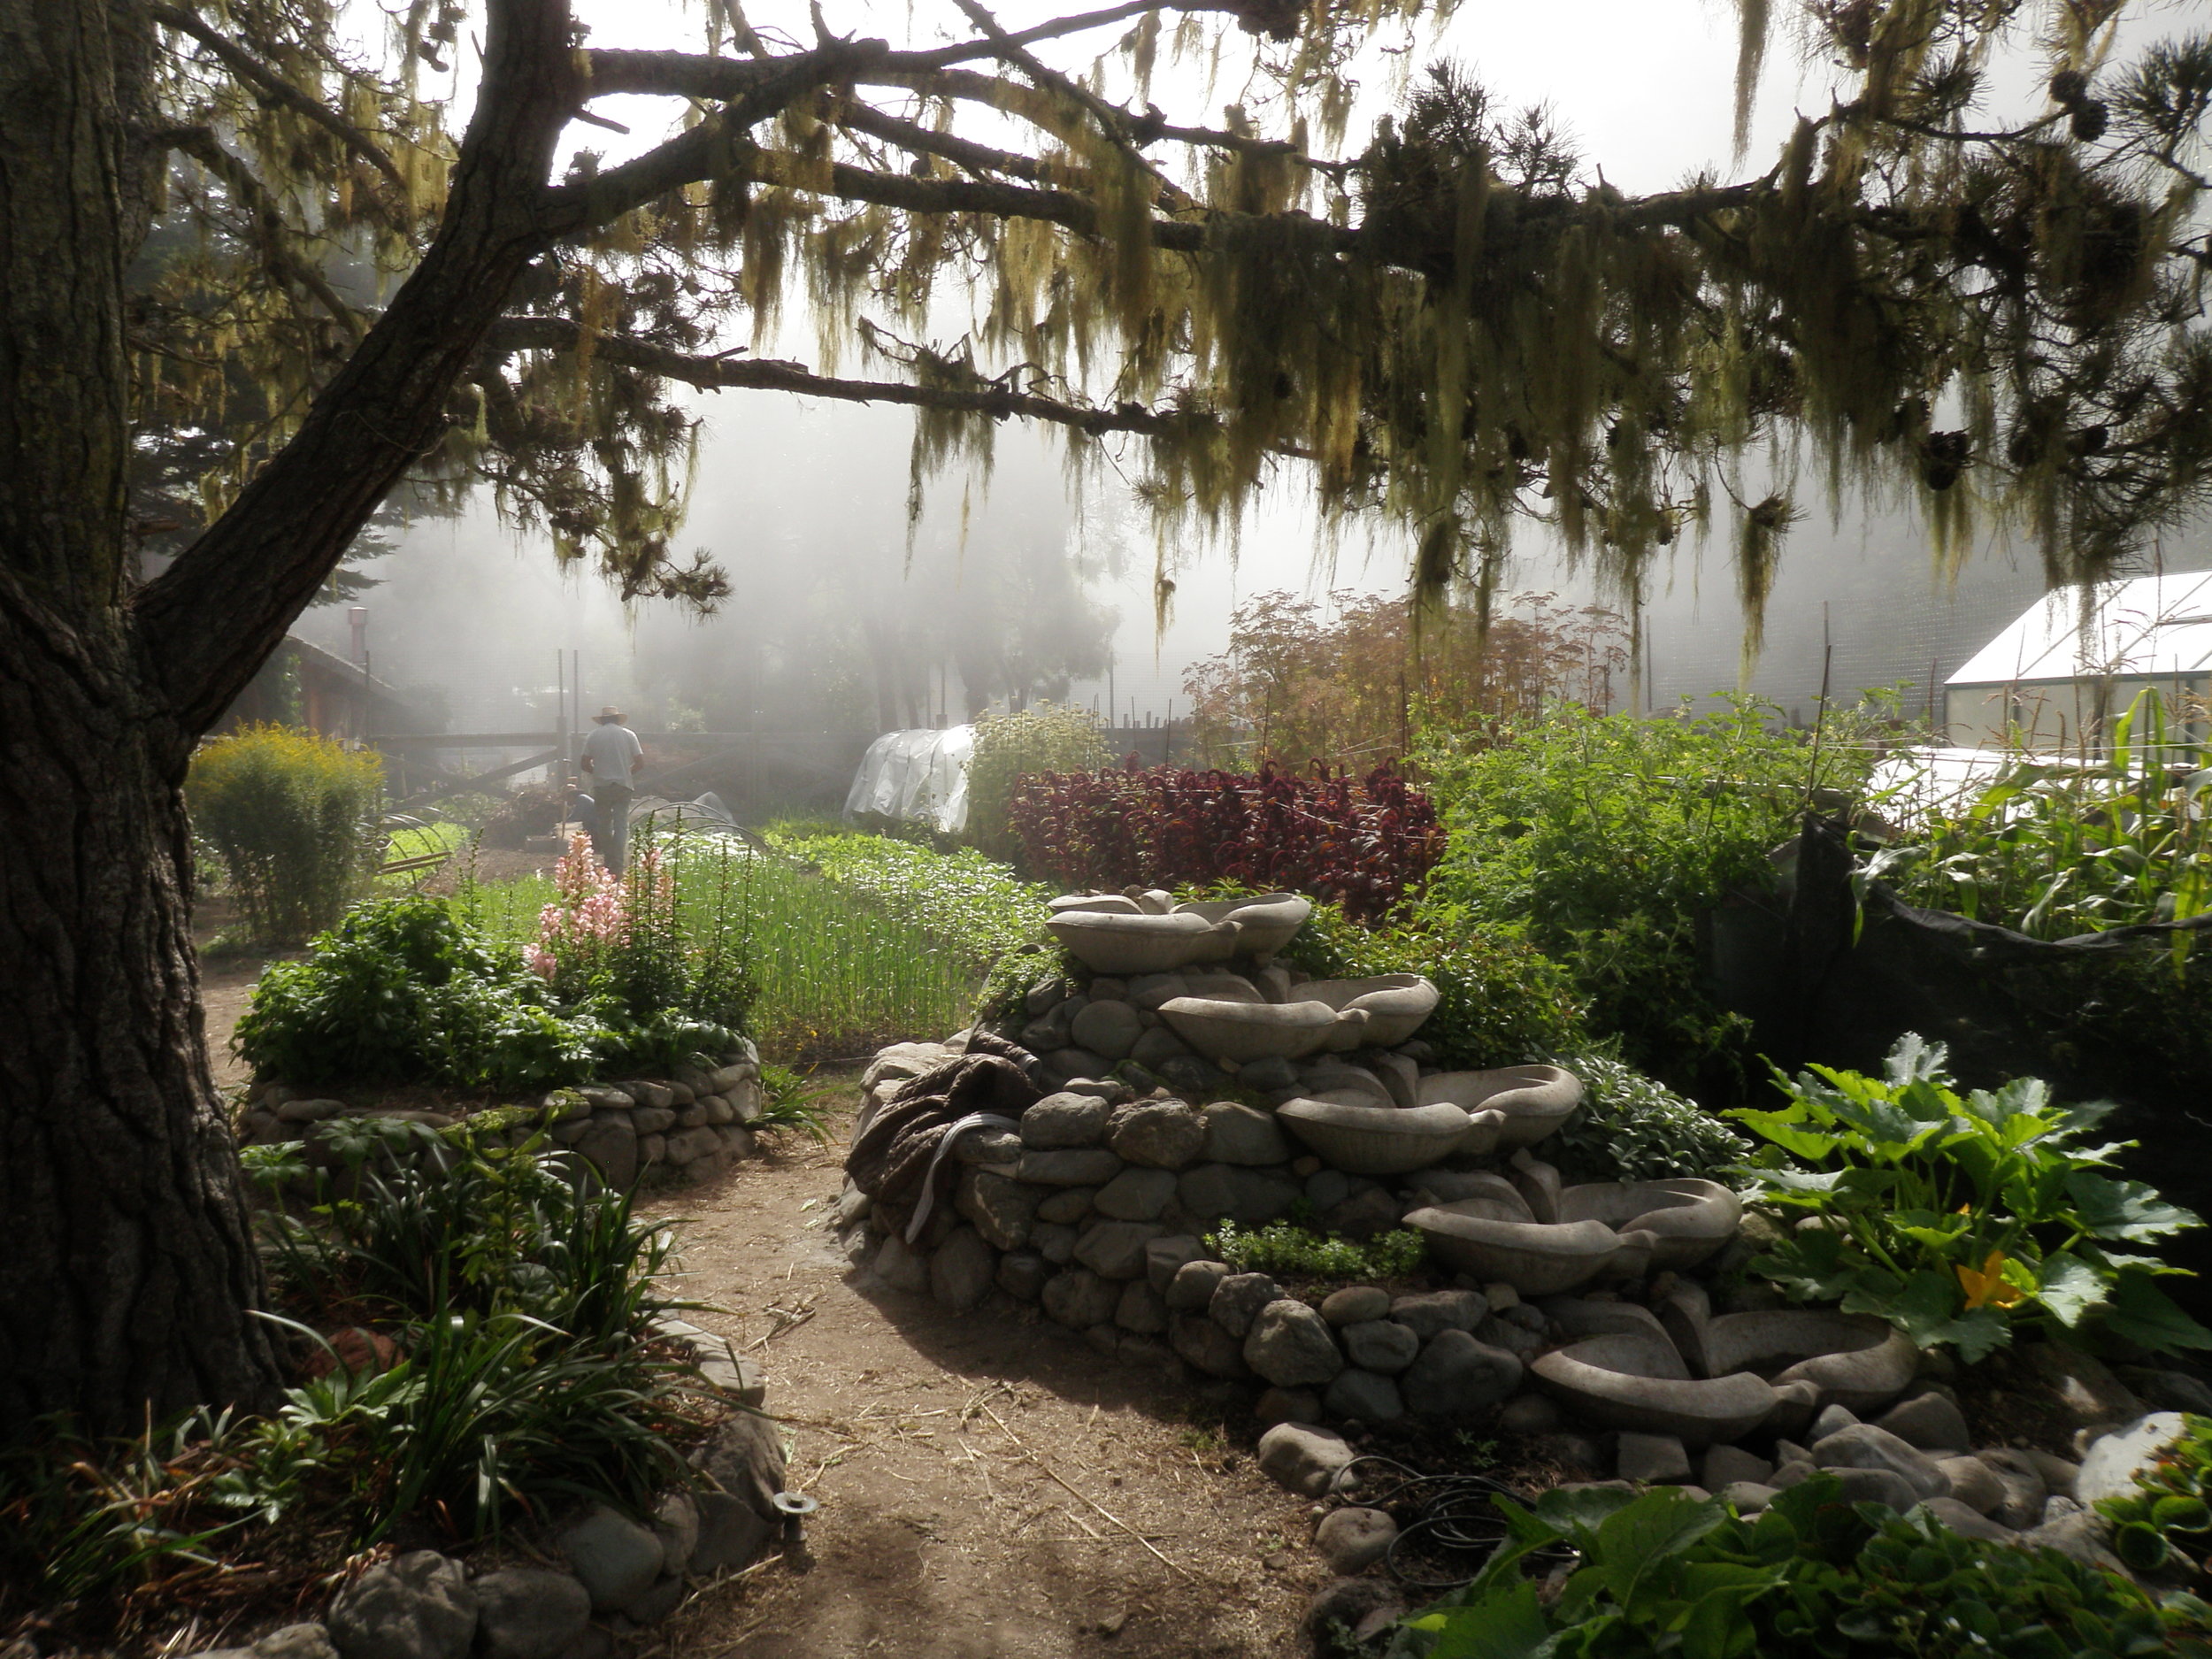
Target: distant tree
[[1353, 690], [1450, 326]]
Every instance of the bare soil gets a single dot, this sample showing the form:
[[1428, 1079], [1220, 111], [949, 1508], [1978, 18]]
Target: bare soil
[[990, 1486]]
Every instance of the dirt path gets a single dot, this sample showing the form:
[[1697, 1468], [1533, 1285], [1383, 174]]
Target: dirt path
[[932, 1440]]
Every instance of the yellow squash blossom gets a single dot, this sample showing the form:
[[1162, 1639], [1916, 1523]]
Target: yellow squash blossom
[[1988, 1288]]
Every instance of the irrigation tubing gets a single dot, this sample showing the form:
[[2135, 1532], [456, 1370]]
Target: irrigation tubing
[[1443, 1521]]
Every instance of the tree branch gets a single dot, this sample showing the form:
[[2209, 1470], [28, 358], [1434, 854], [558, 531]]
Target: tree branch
[[251, 69], [210, 620], [512, 335]]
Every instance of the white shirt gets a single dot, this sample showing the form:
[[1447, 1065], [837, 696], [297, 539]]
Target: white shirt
[[614, 752]]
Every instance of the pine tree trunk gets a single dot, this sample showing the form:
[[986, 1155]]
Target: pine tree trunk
[[127, 1267], [125, 1260]]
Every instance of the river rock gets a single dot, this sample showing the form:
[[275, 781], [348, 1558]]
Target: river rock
[[1353, 1540], [900, 1266], [1863, 1446], [1242, 1135], [1004, 1210], [1115, 1249], [1885, 1487], [2083, 1385], [1929, 1421], [1067, 1205], [1286, 1405], [1022, 1274], [1967, 1521], [1065, 1120], [1109, 1028], [1302, 1458], [1160, 1135], [1076, 1166], [1652, 1458], [1429, 1313], [611, 1143], [526, 1613], [1164, 1257], [1290, 1345], [1141, 1309], [417, 1606], [616, 1559], [1207, 1346], [1726, 1465], [1363, 1396], [961, 1271], [2109, 1467], [2022, 1502], [1269, 1075], [1193, 1287], [1249, 1197], [1237, 1299], [1974, 1483], [1136, 1194], [1079, 1299], [1356, 1304], [1380, 1345], [1456, 1376], [1054, 1242]]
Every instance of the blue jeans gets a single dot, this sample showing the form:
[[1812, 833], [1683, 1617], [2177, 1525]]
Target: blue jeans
[[610, 824]]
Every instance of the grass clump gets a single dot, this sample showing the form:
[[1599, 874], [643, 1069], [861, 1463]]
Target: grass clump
[[1283, 1247]]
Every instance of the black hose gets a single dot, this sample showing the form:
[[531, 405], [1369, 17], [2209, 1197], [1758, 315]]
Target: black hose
[[1444, 1521]]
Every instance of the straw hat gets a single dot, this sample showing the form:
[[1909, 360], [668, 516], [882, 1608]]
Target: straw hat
[[609, 713]]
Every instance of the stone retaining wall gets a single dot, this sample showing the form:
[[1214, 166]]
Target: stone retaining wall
[[693, 1124]]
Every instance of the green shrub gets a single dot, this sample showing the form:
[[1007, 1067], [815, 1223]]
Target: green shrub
[[1632, 1128], [1952, 1216], [1283, 1247], [1498, 1000], [1600, 838], [2172, 1500], [401, 991], [291, 814], [1667, 1573], [1046, 737]]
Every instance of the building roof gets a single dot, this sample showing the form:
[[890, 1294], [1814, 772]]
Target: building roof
[[2148, 627]]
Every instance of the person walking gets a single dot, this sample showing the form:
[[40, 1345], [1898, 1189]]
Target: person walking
[[611, 757]]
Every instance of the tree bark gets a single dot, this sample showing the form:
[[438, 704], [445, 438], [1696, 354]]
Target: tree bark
[[128, 1266]]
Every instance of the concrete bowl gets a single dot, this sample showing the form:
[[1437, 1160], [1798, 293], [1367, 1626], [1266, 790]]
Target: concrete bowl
[[1367, 1140], [1264, 924], [1535, 1100], [1691, 1219], [1476, 1237], [1396, 1005], [1250, 1030], [1635, 1380], [1123, 944]]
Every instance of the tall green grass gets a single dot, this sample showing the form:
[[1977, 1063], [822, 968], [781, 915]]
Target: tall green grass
[[839, 972]]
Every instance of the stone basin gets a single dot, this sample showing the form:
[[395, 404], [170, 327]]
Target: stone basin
[[1127, 942], [1264, 924], [1494, 1239], [1223, 1030], [1534, 1100], [1855, 1361], [1689, 1219], [1105, 904], [1636, 1380], [1396, 1005], [1367, 1140]]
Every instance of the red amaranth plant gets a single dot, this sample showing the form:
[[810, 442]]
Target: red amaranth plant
[[1362, 842]]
